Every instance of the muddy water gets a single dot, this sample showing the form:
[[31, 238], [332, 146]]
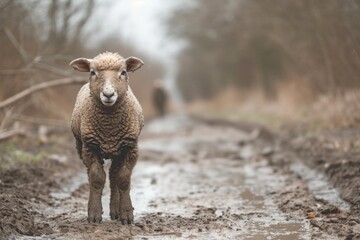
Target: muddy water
[[199, 176], [236, 195], [192, 181]]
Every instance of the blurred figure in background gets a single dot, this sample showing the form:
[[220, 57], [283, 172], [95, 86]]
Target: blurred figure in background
[[159, 98]]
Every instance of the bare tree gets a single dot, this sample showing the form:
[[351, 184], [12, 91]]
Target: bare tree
[[30, 48], [262, 43]]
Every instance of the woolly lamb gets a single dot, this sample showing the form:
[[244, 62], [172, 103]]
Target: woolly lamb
[[106, 122]]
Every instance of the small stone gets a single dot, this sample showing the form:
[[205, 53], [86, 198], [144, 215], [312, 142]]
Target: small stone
[[311, 215], [352, 223], [140, 225], [153, 181]]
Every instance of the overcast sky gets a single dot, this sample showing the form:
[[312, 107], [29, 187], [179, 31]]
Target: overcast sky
[[142, 23]]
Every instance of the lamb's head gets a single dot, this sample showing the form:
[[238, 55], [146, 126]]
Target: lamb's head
[[109, 78]]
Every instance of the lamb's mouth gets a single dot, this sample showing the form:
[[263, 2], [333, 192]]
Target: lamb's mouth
[[108, 102]]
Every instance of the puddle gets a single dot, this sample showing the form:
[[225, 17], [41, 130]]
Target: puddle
[[187, 189], [73, 184], [164, 145], [319, 186], [169, 123]]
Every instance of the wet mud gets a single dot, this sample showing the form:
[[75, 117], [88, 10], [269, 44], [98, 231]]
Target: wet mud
[[193, 180]]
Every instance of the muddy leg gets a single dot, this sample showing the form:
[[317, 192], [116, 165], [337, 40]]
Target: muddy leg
[[120, 173], [114, 194], [97, 178], [125, 206]]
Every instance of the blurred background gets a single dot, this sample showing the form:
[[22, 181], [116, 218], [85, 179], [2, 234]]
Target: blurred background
[[262, 60]]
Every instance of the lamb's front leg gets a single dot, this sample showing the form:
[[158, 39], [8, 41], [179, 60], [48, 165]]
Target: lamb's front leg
[[114, 190], [97, 179], [120, 176]]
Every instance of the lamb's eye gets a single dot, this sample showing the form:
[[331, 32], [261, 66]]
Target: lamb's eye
[[123, 73], [92, 73]]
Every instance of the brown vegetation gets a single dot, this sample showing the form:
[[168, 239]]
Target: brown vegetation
[[293, 51]]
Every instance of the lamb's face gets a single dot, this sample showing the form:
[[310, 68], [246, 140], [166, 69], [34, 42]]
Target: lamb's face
[[109, 78], [109, 86]]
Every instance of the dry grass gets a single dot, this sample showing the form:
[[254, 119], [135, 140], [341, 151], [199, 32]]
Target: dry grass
[[337, 111], [294, 105], [246, 106]]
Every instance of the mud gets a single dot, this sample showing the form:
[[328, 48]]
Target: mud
[[26, 183], [333, 155], [194, 180]]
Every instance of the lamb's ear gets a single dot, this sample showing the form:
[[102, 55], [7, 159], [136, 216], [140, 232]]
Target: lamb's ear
[[81, 64], [133, 64]]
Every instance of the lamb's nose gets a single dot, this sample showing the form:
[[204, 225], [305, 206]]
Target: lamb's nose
[[108, 94]]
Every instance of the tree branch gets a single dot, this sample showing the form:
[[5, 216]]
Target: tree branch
[[15, 71], [11, 133], [38, 87], [40, 121], [51, 69], [16, 44]]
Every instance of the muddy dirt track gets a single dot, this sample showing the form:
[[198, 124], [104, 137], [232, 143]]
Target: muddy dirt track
[[194, 180]]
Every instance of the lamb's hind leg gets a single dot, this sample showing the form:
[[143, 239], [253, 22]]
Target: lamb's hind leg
[[120, 176], [97, 178]]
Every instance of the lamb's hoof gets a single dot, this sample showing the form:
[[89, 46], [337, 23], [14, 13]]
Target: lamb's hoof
[[94, 219], [125, 221], [114, 215], [126, 216]]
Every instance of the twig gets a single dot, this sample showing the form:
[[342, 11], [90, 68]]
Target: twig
[[177, 234], [38, 87], [40, 66], [52, 69], [316, 224], [16, 44], [52, 58], [6, 118], [11, 133], [41, 121], [15, 71]]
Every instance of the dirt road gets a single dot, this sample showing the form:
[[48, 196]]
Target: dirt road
[[193, 180]]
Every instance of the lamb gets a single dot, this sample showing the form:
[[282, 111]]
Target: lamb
[[106, 122]]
